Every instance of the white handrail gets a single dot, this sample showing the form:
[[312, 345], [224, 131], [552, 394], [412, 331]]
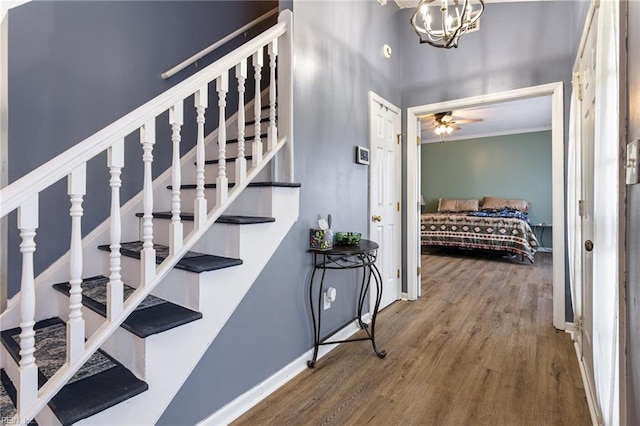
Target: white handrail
[[12, 196], [182, 65]]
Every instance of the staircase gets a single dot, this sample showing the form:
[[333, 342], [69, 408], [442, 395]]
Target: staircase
[[108, 334]]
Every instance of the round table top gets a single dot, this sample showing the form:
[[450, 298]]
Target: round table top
[[363, 247]]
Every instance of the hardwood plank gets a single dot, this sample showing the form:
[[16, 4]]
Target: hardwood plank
[[477, 348]]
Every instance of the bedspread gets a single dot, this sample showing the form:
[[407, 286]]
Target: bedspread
[[505, 234]]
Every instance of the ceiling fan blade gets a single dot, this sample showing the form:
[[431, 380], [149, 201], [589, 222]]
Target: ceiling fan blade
[[467, 120], [455, 127]]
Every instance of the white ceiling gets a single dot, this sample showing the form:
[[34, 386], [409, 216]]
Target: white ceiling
[[511, 117]]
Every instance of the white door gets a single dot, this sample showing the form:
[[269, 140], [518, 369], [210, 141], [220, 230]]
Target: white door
[[587, 70], [385, 179]]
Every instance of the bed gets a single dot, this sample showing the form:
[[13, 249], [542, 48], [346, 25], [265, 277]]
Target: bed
[[496, 224]]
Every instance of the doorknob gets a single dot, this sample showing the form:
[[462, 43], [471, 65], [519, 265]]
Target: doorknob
[[376, 218], [588, 245]]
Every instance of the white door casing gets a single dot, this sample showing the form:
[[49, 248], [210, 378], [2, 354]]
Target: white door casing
[[385, 196], [555, 90]]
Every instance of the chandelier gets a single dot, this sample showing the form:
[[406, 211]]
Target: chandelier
[[457, 18]]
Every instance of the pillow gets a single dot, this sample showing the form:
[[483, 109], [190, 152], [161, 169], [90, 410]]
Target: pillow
[[495, 203], [454, 206]]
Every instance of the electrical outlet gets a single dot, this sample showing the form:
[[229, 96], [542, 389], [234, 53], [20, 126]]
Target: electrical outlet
[[326, 304], [328, 297]]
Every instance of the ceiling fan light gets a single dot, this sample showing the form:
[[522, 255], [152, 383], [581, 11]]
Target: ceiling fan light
[[449, 130]]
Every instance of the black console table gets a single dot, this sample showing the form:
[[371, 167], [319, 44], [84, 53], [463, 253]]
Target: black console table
[[362, 256]]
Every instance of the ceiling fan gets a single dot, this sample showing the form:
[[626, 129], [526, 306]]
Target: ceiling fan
[[444, 123]]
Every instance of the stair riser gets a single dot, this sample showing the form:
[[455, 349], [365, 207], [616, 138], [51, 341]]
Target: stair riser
[[231, 240], [187, 196], [255, 201], [180, 287], [161, 230], [220, 240], [124, 346]]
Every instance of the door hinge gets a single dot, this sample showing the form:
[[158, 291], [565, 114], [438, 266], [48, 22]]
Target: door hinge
[[577, 80], [418, 140], [398, 206], [419, 271], [399, 137], [580, 208], [398, 273]]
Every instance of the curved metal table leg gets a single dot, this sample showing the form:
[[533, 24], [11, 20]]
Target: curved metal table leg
[[316, 324], [364, 287], [378, 280]]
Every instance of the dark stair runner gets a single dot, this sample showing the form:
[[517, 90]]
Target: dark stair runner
[[101, 383], [154, 315], [236, 220], [192, 261], [251, 185]]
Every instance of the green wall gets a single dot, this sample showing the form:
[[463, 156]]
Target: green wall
[[511, 166]]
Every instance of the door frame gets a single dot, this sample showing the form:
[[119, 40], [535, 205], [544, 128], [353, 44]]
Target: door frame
[[374, 97], [412, 179]]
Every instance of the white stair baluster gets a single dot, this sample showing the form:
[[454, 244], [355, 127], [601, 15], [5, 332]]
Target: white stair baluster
[[28, 371], [272, 133], [148, 255], [257, 109], [201, 101], [222, 183], [241, 161], [176, 119], [115, 288], [76, 189]]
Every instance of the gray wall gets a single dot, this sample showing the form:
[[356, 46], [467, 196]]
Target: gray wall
[[510, 166], [518, 45], [75, 67], [338, 59], [633, 222]]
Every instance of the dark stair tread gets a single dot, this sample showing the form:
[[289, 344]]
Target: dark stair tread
[[153, 316], [251, 185], [262, 120], [231, 219], [192, 261], [232, 159], [9, 399], [93, 389], [247, 138]]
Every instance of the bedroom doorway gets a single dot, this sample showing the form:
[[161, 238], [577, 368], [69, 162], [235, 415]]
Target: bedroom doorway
[[413, 154]]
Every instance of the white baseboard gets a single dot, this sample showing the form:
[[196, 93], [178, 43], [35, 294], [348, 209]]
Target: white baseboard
[[252, 397], [591, 400]]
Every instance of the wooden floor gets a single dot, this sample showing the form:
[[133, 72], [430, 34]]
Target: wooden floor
[[477, 348]]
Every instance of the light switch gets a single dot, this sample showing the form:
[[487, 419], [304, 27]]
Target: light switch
[[631, 165]]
